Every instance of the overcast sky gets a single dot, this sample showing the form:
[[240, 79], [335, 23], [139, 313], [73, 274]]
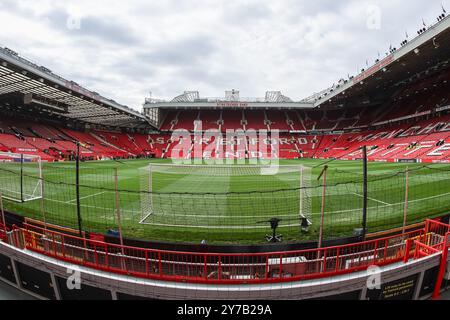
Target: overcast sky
[[125, 49]]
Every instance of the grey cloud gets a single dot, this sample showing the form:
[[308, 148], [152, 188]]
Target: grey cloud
[[133, 69], [246, 13], [180, 52], [187, 59], [220, 79], [105, 29]]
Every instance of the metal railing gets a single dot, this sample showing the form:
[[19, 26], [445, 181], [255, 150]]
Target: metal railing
[[217, 268]]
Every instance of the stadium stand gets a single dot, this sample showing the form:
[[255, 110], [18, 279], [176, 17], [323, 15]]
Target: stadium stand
[[425, 139], [210, 119], [278, 120], [254, 120]]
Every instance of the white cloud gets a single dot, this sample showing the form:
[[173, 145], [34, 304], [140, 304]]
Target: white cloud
[[124, 49]]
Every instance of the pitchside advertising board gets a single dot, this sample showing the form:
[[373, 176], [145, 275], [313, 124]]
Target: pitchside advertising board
[[407, 160]]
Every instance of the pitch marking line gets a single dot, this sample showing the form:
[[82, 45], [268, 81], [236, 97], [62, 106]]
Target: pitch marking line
[[247, 227], [89, 196], [379, 201]]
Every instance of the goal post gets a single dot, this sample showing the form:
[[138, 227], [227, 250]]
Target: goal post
[[20, 177], [171, 192], [146, 196], [305, 196]]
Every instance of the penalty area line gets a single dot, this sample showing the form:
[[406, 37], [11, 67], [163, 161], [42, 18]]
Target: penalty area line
[[87, 197], [373, 199]]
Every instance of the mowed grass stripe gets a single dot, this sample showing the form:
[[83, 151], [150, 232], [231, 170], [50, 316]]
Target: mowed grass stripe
[[232, 219]]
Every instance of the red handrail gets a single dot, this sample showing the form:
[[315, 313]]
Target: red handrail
[[216, 267], [3, 232], [411, 234], [442, 266], [227, 268]]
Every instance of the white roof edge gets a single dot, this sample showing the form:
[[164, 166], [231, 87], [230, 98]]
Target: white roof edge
[[227, 104]]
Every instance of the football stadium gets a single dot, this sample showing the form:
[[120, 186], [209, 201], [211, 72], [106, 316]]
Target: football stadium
[[231, 197]]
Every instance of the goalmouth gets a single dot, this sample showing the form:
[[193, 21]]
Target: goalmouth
[[20, 177], [211, 194]]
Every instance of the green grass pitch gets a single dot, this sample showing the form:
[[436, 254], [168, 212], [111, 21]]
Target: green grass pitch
[[220, 208]]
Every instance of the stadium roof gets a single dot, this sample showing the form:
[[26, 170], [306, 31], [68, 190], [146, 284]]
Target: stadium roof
[[428, 52], [37, 86], [232, 99]]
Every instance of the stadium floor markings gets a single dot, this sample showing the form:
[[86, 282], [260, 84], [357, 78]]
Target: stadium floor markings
[[373, 199], [234, 217], [261, 216], [216, 227], [87, 197], [312, 214], [88, 206], [385, 204]]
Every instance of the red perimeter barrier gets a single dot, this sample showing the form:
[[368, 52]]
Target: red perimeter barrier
[[445, 246], [212, 268], [3, 232]]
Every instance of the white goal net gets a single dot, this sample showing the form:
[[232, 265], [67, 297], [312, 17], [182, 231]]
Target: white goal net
[[20, 177], [224, 195]]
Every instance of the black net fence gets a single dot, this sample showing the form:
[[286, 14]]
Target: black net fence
[[230, 208]]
